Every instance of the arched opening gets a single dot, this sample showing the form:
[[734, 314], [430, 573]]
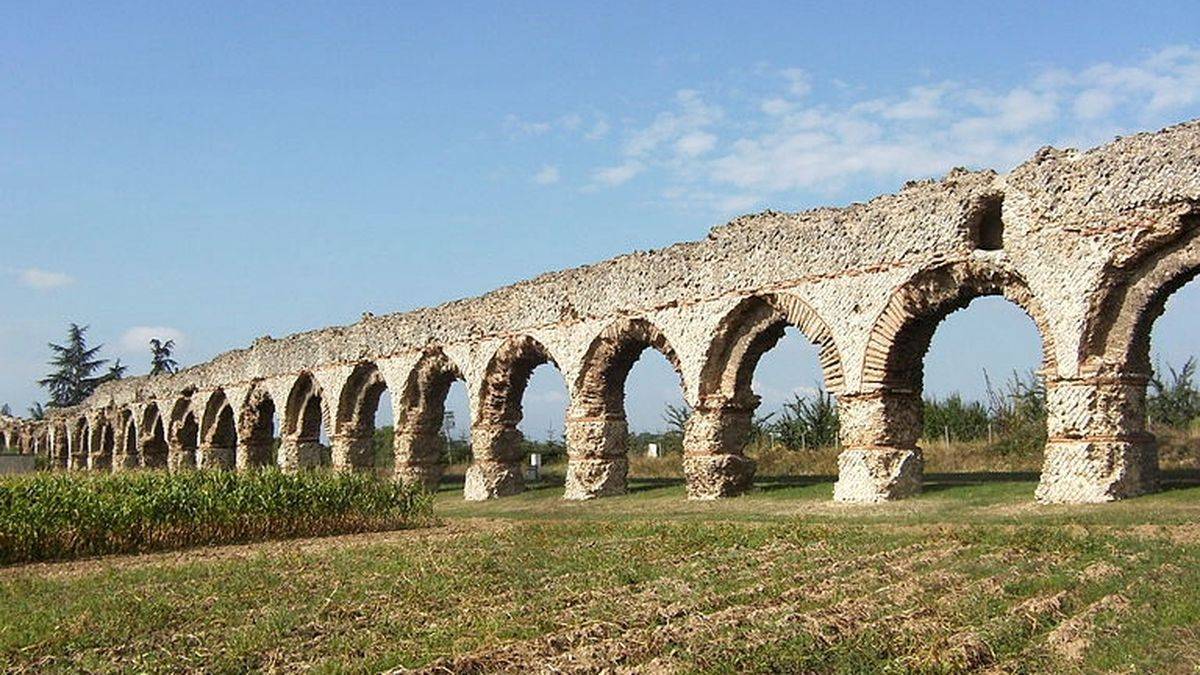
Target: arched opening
[[59, 446], [1173, 385], [102, 456], [894, 373], [984, 410], [258, 446], [130, 455], [355, 443], [770, 382], [302, 446], [185, 436], [154, 441], [425, 433], [501, 447], [80, 441], [598, 428], [219, 447]]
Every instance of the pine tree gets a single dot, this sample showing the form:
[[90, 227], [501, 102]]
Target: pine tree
[[73, 379], [161, 362]]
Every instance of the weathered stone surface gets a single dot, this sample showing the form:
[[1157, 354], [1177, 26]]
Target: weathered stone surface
[[1090, 244]]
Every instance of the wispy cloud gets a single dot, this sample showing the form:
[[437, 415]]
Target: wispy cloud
[[43, 280], [547, 175], [713, 149], [136, 340], [613, 176]]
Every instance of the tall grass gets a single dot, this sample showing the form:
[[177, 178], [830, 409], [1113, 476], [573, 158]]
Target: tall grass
[[68, 515]]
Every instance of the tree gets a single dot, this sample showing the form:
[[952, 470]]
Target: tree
[[161, 362], [6, 410], [116, 371], [37, 412], [806, 423], [74, 379], [676, 417]]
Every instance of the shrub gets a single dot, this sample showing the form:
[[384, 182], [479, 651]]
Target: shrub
[[805, 423], [68, 515]]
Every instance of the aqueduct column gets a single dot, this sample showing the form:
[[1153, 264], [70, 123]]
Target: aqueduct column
[[1099, 449], [879, 432], [713, 444], [495, 469], [597, 464]]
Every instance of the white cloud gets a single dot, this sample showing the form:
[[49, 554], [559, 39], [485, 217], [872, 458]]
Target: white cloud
[[798, 82], [548, 175], [599, 130], [517, 127], [617, 175], [695, 144], [136, 340], [776, 106], [42, 280], [692, 114]]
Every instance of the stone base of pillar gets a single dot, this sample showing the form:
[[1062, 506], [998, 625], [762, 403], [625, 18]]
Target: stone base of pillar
[[215, 457], [351, 453], [591, 478], [154, 460], [1083, 472], [124, 462], [425, 476], [871, 475], [254, 456], [181, 460], [295, 455], [717, 476], [490, 480]]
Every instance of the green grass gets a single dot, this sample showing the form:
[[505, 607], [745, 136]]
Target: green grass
[[971, 575], [66, 515]]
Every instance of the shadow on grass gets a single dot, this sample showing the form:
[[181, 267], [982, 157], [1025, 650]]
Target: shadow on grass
[[935, 482], [1178, 479]]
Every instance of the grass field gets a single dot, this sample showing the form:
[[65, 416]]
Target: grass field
[[970, 576]]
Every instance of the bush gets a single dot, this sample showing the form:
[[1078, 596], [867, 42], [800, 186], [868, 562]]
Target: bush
[[1177, 403], [805, 423], [68, 515]]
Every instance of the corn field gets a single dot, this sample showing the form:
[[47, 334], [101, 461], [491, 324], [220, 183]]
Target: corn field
[[68, 515]]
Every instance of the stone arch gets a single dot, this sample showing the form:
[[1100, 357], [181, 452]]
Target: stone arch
[[305, 417], [506, 377], [218, 433], [184, 435], [60, 447], [1117, 335], [78, 440], [597, 431], [496, 440], [155, 448], [129, 455], [719, 428], [419, 442], [600, 385], [104, 444], [881, 423], [355, 428], [750, 330], [256, 431], [900, 338]]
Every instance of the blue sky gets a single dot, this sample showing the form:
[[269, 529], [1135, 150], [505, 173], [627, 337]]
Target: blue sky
[[217, 172]]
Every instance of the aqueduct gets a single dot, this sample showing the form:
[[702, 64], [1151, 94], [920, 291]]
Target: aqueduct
[[1088, 244]]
